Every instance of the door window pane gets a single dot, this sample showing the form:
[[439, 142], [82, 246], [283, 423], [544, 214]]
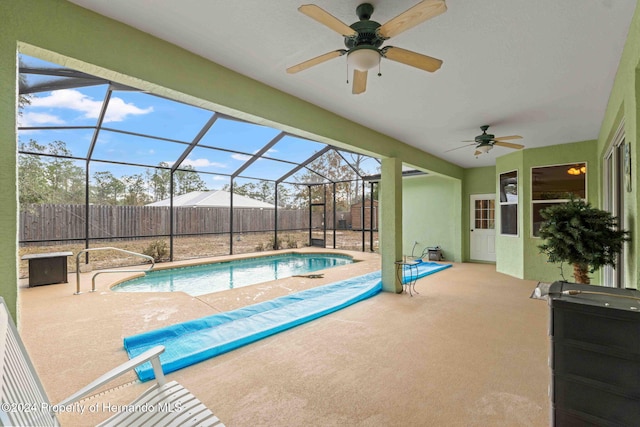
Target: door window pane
[[484, 214]]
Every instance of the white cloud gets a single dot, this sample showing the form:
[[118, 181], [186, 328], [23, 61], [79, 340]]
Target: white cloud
[[75, 100], [38, 119], [242, 157], [118, 110]]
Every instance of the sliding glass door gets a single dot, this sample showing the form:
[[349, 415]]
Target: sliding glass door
[[614, 195]]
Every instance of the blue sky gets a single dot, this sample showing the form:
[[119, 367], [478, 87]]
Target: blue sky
[[146, 114]]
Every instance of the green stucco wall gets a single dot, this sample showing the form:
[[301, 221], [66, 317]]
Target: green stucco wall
[[61, 32], [431, 205], [519, 255], [391, 219], [509, 249], [624, 105]]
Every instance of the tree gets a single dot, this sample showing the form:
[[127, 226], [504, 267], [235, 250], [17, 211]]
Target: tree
[[66, 180], [186, 180], [32, 182], [577, 233], [331, 167], [107, 189], [49, 177], [285, 196], [264, 191], [159, 182], [135, 190], [356, 162]]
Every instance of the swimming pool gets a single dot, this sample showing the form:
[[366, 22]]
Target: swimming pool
[[207, 278]]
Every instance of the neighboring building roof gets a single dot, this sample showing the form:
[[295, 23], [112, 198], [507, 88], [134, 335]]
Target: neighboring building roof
[[213, 198]]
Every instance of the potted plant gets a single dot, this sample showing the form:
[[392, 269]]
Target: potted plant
[[584, 236]]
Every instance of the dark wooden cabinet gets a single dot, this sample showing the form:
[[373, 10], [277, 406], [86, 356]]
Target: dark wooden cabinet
[[47, 268], [595, 356]]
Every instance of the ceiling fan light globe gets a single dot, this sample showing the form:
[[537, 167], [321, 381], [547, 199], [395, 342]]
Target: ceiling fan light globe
[[363, 59], [484, 149]]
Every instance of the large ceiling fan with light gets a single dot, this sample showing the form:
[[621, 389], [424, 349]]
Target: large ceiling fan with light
[[485, 142], [364, 39]]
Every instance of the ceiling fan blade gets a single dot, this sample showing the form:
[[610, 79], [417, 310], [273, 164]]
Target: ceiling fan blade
[[464, 146], [502, 138], [413, 59], [315, 61], [411, 17], [508, 145], [359, 82], [327, 19]]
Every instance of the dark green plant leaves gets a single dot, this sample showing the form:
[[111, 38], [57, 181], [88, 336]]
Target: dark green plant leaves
[[577, 233]]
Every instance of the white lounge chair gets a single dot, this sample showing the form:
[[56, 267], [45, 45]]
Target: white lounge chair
[[23, 401]]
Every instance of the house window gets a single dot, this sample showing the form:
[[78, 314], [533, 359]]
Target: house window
[[509, 203], [551, 185]]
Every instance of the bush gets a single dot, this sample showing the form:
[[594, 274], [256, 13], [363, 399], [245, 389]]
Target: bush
[[275, 244], [270, 245], [291, 241], [158, 250]]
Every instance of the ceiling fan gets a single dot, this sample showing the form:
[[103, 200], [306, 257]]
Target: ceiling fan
[[485, 142], [364, 39]]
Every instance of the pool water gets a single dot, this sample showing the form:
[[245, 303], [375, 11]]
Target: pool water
[[207, 278]]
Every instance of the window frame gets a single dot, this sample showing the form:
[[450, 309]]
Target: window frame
[[540, 201], [507, 204]]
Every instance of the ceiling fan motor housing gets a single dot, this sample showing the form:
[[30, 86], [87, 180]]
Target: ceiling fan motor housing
[[367, 35], [485, 138], [364, 11]]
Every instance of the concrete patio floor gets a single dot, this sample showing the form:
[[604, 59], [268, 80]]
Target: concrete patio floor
[[470, 349]]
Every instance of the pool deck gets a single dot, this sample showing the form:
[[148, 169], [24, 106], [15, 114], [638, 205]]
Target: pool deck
[[469, 349]]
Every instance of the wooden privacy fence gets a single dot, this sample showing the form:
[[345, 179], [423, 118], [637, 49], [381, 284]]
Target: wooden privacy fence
[[41, 222]]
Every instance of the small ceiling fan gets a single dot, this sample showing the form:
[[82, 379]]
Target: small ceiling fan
[[485, 142], [364, 39]]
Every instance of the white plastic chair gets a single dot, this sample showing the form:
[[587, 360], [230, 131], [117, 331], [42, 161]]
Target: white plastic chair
[[23, 401]]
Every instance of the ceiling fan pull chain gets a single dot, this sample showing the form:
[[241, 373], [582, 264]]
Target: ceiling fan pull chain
[[347, 72], [379, 69]]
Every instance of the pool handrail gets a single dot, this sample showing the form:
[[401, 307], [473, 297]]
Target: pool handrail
[[93, 279]]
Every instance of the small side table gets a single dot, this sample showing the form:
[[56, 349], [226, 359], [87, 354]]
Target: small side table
[[47, 268], [407, 271]]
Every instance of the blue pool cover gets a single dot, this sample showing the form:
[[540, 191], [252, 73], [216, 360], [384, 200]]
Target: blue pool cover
[[426, 268], [200, 339]]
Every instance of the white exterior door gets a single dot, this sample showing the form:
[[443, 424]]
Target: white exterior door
[[482, 237]]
